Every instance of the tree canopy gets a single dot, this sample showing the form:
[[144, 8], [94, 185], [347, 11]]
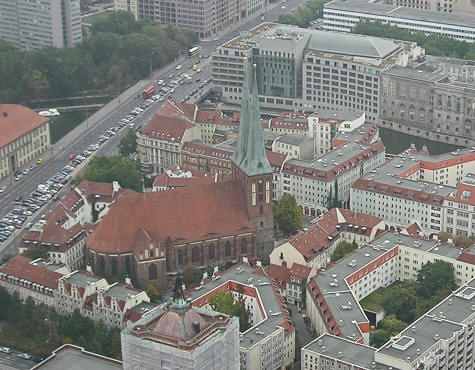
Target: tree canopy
[[191, 276], [433, 44], [342, 249], [434, 277], [224, 301], [109, 169], [153, 292], [128, 143], [288, 215], [304, 15], [35, 253], [402, 302], [119, 49]]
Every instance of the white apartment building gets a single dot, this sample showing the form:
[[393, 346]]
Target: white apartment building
[[326, 180], [270, 342], [334, 293], [342, 16], [32, 25], [294, 146], [127, 5], [417, 187]]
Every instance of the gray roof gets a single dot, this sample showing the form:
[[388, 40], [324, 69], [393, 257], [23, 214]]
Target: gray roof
[[343, 115], [381, 9], [293, 139], [121, 292], [81, 279], [344, 350], [351, 44], [241, 274], [76, 358]]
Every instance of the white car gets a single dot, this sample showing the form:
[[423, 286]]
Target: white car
[[2, 189], [178, 67], [5, 349]]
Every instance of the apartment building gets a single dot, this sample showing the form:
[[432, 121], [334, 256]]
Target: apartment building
[[25, 136], [314, 245], [309, 69], [294, 146], [133, 6], [433, 99], [270, 342], [334, 293], [35, 279], [33, 25], [110, 305], [290, 280], [343, 17], [418, 187], [442, 338], [326, 180]]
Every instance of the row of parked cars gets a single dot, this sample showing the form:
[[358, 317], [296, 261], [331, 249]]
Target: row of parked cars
[[25, 356]]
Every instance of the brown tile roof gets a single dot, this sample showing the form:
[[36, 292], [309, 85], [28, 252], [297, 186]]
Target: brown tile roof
[[290, 121], [89, 188], [175, 109], [21, 267], [465, 194], [181, 215], [299, 271], [276, 160], [17, 120], [280, 274], [166, 128], [206, 150], [413, 229]]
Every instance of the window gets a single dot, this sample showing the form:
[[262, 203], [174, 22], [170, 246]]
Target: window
[[227, 248], [152, 272], [243, 245], [211, 251], [195, 254], [180, 257]]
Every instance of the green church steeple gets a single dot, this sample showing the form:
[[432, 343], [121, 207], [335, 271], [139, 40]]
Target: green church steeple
[[250, 155]]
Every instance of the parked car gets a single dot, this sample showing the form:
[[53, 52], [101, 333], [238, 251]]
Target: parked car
[[5, 350]]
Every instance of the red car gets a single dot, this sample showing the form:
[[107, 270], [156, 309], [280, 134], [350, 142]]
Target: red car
[[55, 198], [72, 156]]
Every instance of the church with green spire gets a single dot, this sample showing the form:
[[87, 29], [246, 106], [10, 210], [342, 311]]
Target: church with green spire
[[251, 166]]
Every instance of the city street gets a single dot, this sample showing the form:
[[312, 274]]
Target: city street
[[88, 131], [12, 361]]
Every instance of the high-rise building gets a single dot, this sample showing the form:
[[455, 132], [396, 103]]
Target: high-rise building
[[32, 25], [182, 337], [127, 5]]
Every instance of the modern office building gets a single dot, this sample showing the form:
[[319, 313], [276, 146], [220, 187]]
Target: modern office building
[[203, 17], [343, 16], [434, 99], [309, 69], [446, 6], [24, 137], [32, 25], [130, 6]]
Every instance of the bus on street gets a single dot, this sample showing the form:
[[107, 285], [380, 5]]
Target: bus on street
[[148, 92], [194, 51]]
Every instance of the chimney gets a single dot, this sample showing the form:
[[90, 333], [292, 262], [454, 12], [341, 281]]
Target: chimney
[[196, 326]]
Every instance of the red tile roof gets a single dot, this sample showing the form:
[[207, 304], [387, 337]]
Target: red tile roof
[[276, 160], [181, 215], [197, 178], [16, 121], [299, 271], [206, 150], [290, 121], [166, 128], [280, 274], [89, 188], [175, 109], [413, 229], [465, 194], [21, 267]]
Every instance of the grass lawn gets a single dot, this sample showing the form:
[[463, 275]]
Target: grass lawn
[[91, 18], [374, 301]]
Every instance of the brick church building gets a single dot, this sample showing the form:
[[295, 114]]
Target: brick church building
[[148, 235]]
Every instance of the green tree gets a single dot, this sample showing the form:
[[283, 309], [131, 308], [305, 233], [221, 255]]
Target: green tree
[[153, 292], [4, 303], [109, 169], [342, 249], [128, 143], [223, 301], [303, 15], [378, 338], [392, 325], [434, 277], [402, 303], [288, 215], [35, 253], [191, 276], [303, 287], [463, 241], [444, 236]]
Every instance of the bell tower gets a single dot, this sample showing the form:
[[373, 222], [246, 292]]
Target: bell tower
[[251, 167]]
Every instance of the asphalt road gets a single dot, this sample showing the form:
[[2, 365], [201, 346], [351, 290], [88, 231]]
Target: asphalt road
[[88, 131], [12, 361]]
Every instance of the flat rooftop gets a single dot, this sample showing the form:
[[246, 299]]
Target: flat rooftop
[[241, 274], [81, 279], [379, 8], [76, 358], [341, 115], [346, 350], [121, 292], [293, 139]]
